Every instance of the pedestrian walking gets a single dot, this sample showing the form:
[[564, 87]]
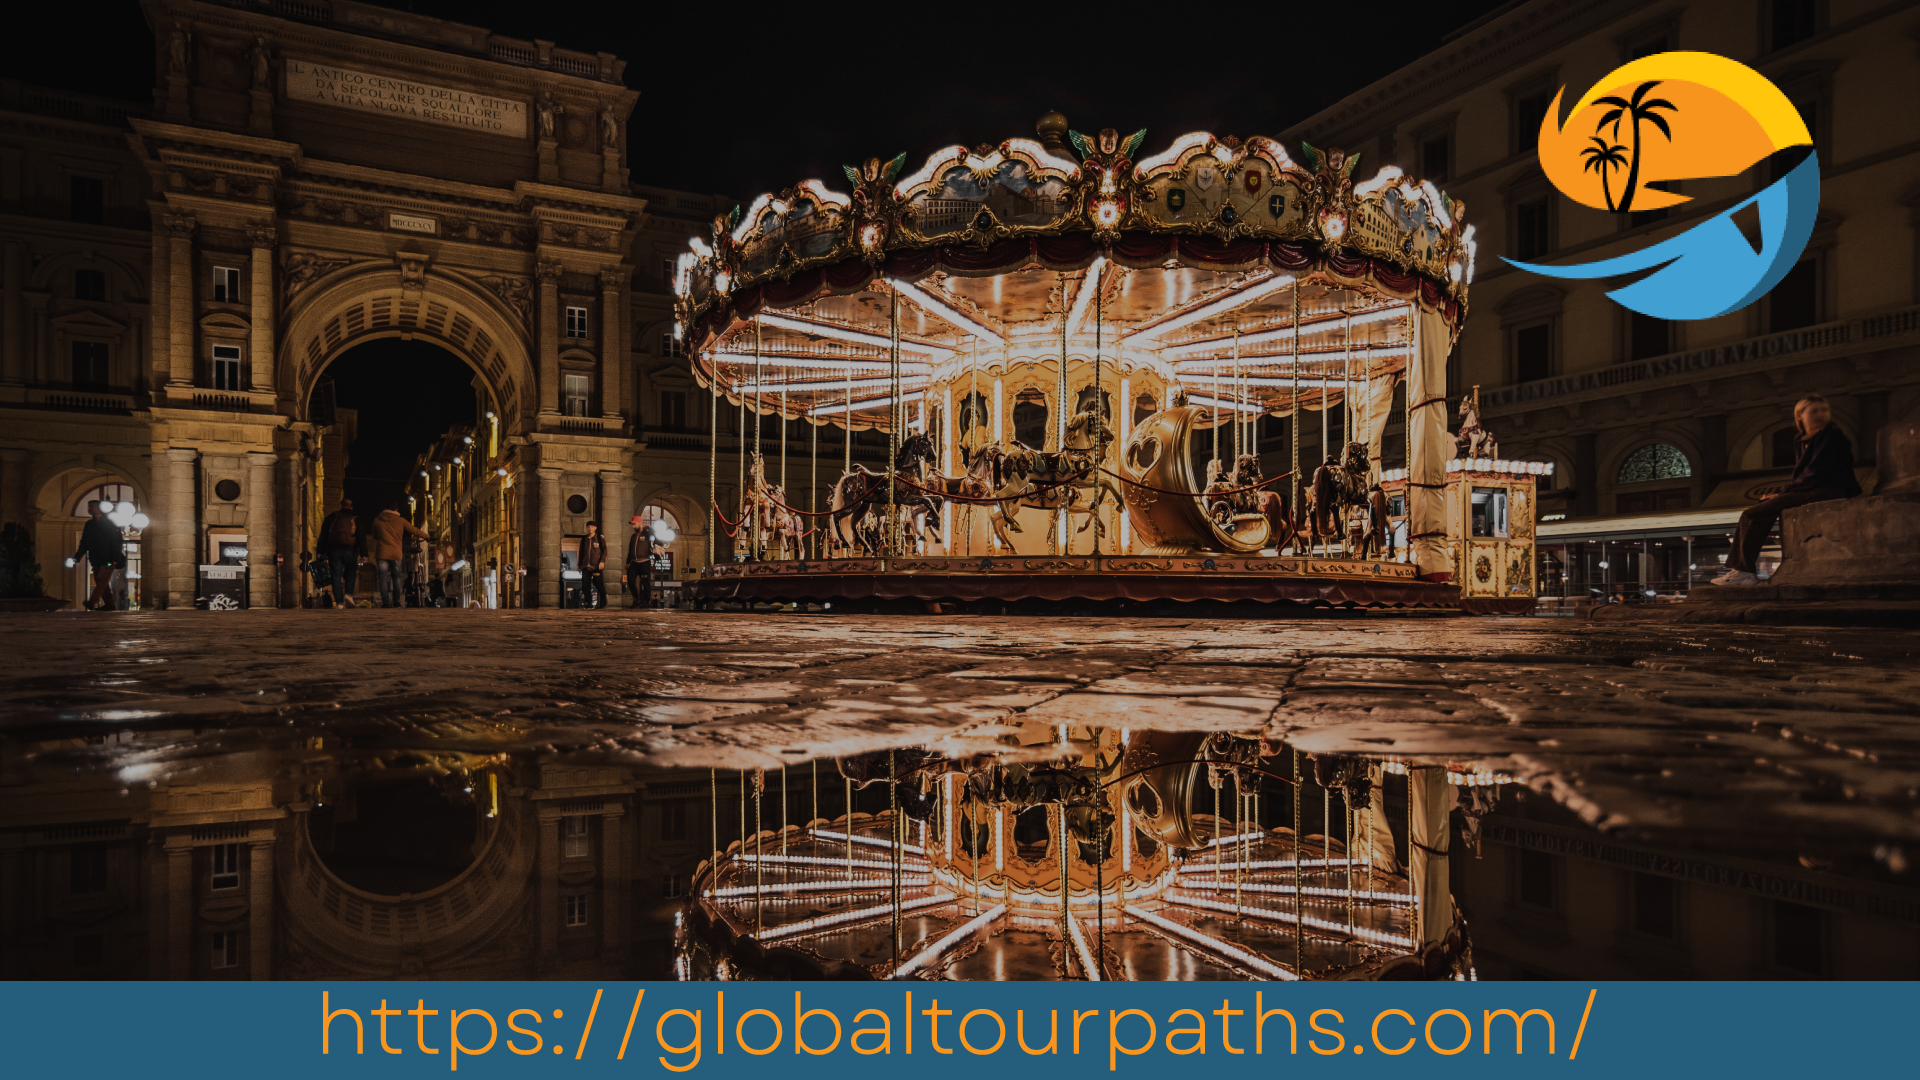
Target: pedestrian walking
[[384, 536], [1822, 470], [340, 539], [640, 564], [593, 567], [102, 545]]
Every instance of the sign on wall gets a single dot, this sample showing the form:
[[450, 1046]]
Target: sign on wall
[[364, 91]]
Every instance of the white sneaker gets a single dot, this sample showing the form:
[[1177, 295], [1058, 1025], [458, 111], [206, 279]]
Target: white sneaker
[[1737, 577]]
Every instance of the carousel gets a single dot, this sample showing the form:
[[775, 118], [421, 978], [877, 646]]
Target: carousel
[[1093, 368], [1088, 853]]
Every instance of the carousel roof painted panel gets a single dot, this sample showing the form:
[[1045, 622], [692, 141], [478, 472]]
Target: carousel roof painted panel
[[1174, 261]]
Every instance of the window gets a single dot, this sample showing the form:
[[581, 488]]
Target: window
[[226, 285], [575, 390], [87, 869], [1655, 461], [226, 866], [577, 909], [87, 199], [1490, 511], [226, 367], [576, 322], [89, 365], [1795, 302], [1798, 938], [671, 346], [1653, 909], [1532, 228], [1783, 453], [1536, 879], [673, 408], [89, 285], [673, 821], [667, 272], [226, 949], [1533, 352], [113, 493], [573, 837], [1648, 336], [1436, 154], [1792, 21], [1529, 112], [673, 886]]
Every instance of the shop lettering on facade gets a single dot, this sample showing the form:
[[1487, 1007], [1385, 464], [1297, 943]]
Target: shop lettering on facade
[[365, 92]]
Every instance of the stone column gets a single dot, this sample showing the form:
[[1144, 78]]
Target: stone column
[[546, 547], [179, 847], [292, 538], [548, 911], [159, 307], [16, 475], [156, 569], [261, 308], [549, 329], [263, 584], [182, 527], [614, 906], [180, 336], [260, 908], [613, 342], [13, 311]]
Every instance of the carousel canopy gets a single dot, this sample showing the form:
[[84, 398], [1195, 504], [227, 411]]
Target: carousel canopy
[[1212, 263]]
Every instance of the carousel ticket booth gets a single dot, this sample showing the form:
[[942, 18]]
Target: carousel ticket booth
[[1490, 510]]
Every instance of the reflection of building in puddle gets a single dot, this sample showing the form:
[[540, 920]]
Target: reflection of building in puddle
[[1185, 856]]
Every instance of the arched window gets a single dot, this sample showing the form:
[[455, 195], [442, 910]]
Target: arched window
[[1030, 419], [1655, 461], [113, 493], [653, 512]]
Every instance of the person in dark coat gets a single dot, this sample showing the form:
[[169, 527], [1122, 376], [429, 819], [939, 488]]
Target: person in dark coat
[[640, 564], [1822, 470], [340, 541], [102, 545], [593, 567]]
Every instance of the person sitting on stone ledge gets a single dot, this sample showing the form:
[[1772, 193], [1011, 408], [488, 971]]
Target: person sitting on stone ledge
[[1822, 470]]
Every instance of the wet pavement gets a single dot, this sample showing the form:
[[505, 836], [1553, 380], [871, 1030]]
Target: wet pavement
[[1794, 751], [1718, 734]]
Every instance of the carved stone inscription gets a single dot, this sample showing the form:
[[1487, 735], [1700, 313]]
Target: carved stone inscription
[[366, 92]]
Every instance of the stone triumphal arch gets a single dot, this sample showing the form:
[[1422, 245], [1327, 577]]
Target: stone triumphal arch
[[322, 178]]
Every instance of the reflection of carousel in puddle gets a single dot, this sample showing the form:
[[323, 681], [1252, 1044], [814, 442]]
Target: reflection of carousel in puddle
[[1079, 355], [1183, 856]]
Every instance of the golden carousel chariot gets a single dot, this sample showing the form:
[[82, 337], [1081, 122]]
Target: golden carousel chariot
[[1094, 370]]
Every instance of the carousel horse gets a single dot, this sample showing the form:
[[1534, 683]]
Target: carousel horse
[[764, 506], [1338, 486], [1267, 502], [862, 492], [1014, 476], [1474, 440], [1378, 537]]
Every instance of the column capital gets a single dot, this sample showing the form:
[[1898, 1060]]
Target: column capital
[[548, 474], [548, 272], [263, 458], [179, 226], [612, 476], [182, 453], [263, 235], [613, 278]]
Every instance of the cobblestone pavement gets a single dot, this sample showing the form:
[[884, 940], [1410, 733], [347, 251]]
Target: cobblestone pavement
[[1730, 736]]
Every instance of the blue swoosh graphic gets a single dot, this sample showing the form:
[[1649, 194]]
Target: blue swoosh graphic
[[1711, 269]]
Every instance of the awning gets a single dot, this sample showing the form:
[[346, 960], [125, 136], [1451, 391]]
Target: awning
[[1717, 514]]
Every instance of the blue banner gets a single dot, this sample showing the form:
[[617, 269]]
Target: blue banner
[[846, 1030]]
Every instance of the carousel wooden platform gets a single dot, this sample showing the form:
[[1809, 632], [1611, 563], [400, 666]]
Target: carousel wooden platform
[[1322, 582]]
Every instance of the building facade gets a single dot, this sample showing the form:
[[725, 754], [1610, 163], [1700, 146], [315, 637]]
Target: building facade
[[1661, 433], [309, 178]]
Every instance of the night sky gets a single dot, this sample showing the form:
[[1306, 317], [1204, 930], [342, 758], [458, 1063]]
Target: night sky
[[738, 103]]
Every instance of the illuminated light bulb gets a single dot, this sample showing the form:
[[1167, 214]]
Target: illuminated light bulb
[[1106, 213], [141, 521]]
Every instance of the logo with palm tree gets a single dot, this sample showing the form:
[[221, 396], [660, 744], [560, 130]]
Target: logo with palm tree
[[1637, 110]]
